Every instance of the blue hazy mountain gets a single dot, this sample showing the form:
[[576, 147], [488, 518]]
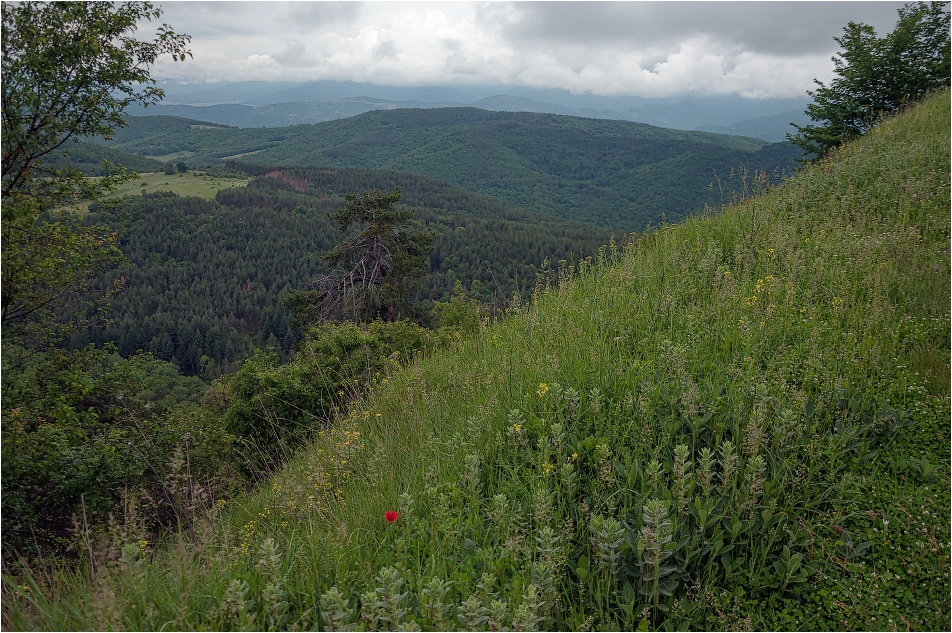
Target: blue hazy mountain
[[279, 104], [770, 128]]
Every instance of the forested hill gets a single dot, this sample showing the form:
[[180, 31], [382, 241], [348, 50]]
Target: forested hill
[[613, 173], [87, 157], [204, 281]]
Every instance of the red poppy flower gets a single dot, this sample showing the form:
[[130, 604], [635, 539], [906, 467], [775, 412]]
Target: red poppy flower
[[391, 516]]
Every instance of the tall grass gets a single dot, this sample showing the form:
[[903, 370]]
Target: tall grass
[[678, 432]]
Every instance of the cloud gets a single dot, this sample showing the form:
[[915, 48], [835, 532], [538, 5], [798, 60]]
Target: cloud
[[758, 49], [295, 55], [764, 27], [258, 61], [314, 16], [386, 49]]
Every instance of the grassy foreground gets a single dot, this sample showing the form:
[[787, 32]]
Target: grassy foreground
[[739, 422]]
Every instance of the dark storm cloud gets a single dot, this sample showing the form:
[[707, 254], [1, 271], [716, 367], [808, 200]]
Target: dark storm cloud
[[779, 28]]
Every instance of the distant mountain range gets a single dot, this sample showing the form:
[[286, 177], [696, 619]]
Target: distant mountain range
[[608, 172], [771, 128], [280, 104]]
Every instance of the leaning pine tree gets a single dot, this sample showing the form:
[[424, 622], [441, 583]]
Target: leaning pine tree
[[376, 271]]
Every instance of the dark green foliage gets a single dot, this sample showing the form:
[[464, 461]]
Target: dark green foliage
[[69, 71], [88, 158], [50, 262], [461, 314], [876, 76], [378, 268], [162, 135], [271, 408], [83, 428], [611, 173], [164, 386], [67, 432], [78, 430], [205, 281]]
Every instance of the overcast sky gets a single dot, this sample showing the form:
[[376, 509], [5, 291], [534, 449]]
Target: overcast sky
[[650, 49]]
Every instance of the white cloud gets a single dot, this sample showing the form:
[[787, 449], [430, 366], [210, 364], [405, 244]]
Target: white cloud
[[756, 49], [259, 61], [295, 55]]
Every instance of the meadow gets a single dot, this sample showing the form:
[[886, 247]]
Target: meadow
[[739, 422], [196, 183]]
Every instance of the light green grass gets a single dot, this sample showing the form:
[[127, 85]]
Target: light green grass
[[765, 388], [191, 183]]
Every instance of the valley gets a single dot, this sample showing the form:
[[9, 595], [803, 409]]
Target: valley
[[623, 175], [512, 194]]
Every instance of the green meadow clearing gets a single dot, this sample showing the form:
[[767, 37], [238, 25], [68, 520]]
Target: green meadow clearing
[[190, 183]]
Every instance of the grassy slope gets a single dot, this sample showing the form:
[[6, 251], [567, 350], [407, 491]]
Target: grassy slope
[[808, 326]]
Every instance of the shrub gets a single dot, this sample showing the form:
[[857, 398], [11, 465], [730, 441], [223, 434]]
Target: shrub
[[271, 408], [79, 431]]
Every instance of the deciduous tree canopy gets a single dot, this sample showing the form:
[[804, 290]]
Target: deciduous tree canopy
[[876, 76], [74, 433], [69, 71]]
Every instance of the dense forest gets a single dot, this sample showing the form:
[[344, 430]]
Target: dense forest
[[205, 280], [88, 158], [612, 173]]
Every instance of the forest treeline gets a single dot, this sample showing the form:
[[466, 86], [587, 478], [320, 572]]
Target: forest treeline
[[88, 158], [204, 281], [611, 173]]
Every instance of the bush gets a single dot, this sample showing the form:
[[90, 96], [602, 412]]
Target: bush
[[461, 314], [79, 432], [272, 408]]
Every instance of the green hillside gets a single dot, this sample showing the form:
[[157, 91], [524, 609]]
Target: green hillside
[[87, 157], [206, 278], [613, 173], [737, 423]]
